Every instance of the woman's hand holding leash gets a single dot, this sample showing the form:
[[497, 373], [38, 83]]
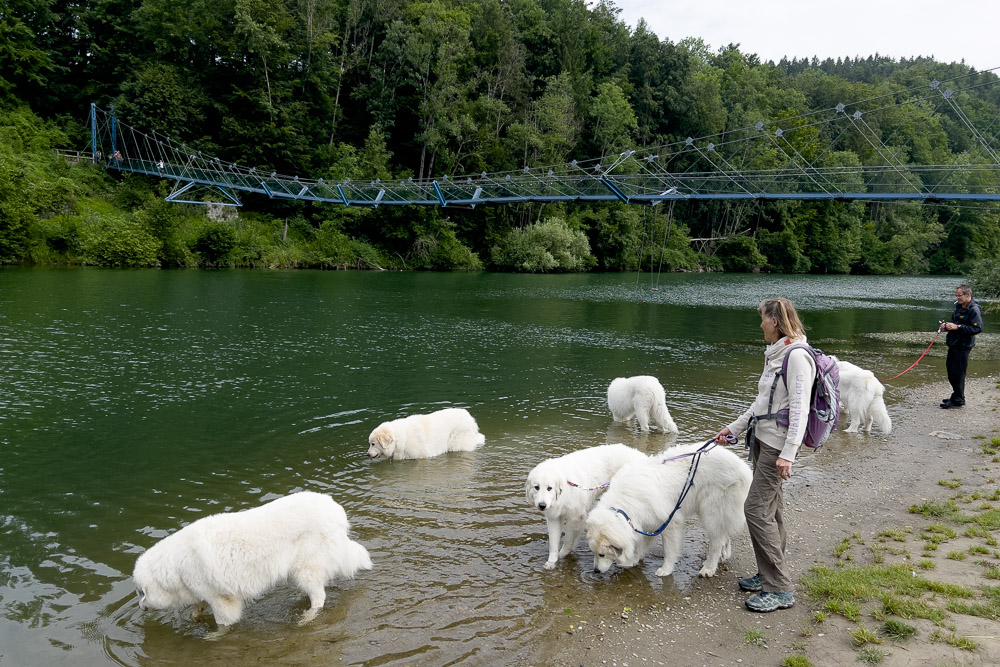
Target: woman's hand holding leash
[[725, 435]]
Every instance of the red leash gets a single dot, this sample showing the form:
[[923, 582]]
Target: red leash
[[918, 360]]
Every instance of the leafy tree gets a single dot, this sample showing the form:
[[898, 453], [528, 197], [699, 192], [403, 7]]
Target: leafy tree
[[215, 243], [544, 246]]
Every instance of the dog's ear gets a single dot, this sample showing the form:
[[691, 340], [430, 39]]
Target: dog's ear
[[557, 487], [527, 490], [618, 551]]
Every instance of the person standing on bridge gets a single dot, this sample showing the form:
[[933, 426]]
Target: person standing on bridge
[[773, 447], [966, 323]]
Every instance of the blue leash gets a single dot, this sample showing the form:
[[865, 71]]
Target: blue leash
[[689, 482]]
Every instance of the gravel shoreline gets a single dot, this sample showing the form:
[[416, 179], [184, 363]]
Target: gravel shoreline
[[858, 485]]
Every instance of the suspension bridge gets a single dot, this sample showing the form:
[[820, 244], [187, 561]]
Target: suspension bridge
[[854, 151]]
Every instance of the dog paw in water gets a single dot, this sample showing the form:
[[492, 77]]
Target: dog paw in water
[[550, 565], [309, 615], [665, 571]]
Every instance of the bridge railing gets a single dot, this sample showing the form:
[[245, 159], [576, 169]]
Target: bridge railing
[[811, 157]]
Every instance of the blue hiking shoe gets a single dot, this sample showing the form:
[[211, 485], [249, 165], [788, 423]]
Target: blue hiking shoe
[[751, 584], [764, 601]]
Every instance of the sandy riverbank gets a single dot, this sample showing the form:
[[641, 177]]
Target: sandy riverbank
[[862, 485]]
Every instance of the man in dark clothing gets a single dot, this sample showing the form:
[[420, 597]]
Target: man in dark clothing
[[966, 322]]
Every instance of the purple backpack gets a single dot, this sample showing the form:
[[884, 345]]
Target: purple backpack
[[824, 403]]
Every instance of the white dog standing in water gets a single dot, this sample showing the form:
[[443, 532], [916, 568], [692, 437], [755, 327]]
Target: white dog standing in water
[[224, 560], [565, 488], [648, 492], [641, 396], [863, 397], [424, 436]]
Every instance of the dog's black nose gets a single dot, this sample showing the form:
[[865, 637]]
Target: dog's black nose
[[542, 506], [597, 571]]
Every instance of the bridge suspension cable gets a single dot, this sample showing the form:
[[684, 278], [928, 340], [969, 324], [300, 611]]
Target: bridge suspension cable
[[841, 153]]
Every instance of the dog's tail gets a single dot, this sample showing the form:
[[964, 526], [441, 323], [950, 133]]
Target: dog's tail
[[880, 416], [879, 413], [661, 416]]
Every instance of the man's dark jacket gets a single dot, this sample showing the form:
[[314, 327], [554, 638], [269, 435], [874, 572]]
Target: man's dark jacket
[[970, 323]]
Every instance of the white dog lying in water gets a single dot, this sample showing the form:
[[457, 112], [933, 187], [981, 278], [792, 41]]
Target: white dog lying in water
[[424, 436], [648, 492], [863, 397], [565, 488], [641, 396], [224, 560]]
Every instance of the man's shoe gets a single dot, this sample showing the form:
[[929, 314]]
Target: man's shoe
[[949, 405], [751, 584], [764, 601]]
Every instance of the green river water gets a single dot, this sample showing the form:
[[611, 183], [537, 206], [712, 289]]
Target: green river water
[[134, 402]]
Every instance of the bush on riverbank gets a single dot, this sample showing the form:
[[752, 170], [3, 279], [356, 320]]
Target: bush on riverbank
[[56, 211]]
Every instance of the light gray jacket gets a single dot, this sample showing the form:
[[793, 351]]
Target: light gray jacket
[[801, 373]]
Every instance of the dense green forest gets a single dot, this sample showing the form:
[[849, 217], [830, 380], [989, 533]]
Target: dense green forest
[[400, 88]]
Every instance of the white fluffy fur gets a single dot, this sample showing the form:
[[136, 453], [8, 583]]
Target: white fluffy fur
[[648, 492], [565, 507], [862, 396], [424, 436], [641, 396], [224, 560]]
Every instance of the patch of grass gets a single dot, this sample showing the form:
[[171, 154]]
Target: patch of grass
[[976, 531], [796, 661], [934, 509], [989, 519], [952, 639], [938, 533], [897, 630], [864, 635], [991, 541], [849, 610], [908, 607], [841, 549], [798, 646], [957, 555], [878, 554], [819, 616], [989, 608], [871, 655], [755, 637], [805, 629], [897, 535], [992, 572], [952, 483], [976, 549], [868, 583], [926, 564]]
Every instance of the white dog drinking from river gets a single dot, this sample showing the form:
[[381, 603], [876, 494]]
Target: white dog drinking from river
[[643, 397], [224, 560], [643, 495], [863, 397], [565, 488], [424, 436]]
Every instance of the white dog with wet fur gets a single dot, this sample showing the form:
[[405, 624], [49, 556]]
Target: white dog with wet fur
[[642, 397], [643, 495], [565, 488], [863, 398], [425, 436], [221, 562]]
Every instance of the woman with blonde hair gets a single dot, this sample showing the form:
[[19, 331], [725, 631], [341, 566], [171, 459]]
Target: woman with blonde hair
[[773, 447]]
